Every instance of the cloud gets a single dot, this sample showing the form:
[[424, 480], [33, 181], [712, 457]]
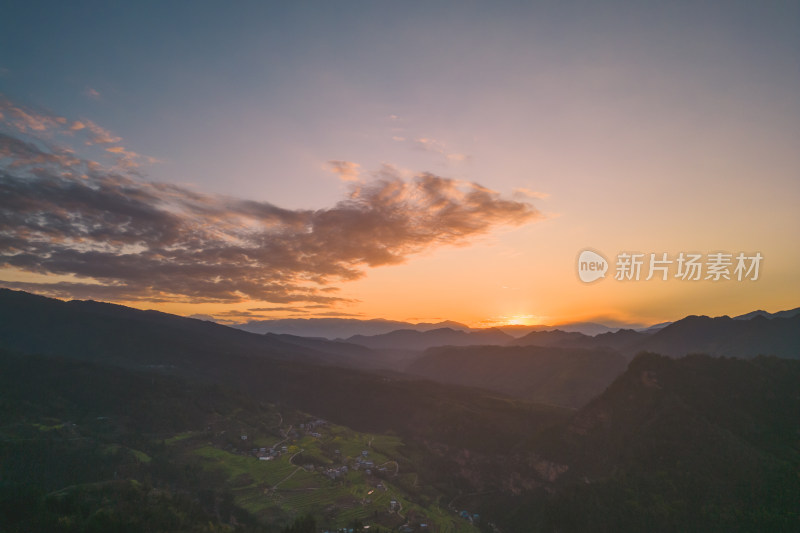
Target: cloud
[[346, 170], [25, 120], [128, 159], [238, 314], [91, 93], [44, 128], [335, 314], [100, 135], [200, 316], [281, 309], [429, 145], [96, 134], [137, 240], [530, 194], [297, 309], [437, 147]]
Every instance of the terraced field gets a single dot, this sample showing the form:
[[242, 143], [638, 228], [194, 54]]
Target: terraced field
[[299, 481]]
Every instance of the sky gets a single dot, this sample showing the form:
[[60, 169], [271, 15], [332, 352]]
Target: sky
[[409, 160]]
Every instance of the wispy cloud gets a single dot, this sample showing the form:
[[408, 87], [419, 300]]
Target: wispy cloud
[[402, 133], [300, 309], [100, 135], [437, 147], [136, 240], [346, 170], [280, 309], [238, 314], [25, 120], [91, 93], [523, 192], [44, 127]]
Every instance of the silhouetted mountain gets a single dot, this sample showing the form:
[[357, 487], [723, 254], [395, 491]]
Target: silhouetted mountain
[[780, 314], [587, 328], [356, 354], [654, 327], [338, 328], [560, 376], [344, 328], [408, 339], [267, 367], [693, 444], [120, 335], [725, 336], [617, 340], [554, 337], [721, 336]]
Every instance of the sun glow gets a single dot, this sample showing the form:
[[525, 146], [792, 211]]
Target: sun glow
[[511, 320], [522, 320]]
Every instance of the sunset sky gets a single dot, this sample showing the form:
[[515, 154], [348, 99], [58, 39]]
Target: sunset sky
[[406, 160]]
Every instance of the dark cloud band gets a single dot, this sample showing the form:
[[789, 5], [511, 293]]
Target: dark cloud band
[[136, 240]]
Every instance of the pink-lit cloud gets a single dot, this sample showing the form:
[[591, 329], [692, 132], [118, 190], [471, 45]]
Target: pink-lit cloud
[[136, 240], [346, 170]]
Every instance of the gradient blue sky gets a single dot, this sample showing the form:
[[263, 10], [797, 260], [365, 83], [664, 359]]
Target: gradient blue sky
[[638, 125]]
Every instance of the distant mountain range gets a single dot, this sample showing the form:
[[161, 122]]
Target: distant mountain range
[[586, 328], [410, 339], [724, 336], [618, 340], [339, 328], [556, 367], [757, 333], [345, 328], [780, 314]]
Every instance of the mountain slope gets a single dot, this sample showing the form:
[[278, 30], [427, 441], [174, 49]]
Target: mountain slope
[[409, 339], [690, 444], [616, 340], [350, 354], [90, 447], [560, 376], [112, 333], [268, 368], [725, 336], [555, 337]]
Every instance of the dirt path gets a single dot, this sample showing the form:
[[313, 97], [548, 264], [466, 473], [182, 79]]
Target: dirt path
[[285, 434], [275, 486], [396, 468]]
